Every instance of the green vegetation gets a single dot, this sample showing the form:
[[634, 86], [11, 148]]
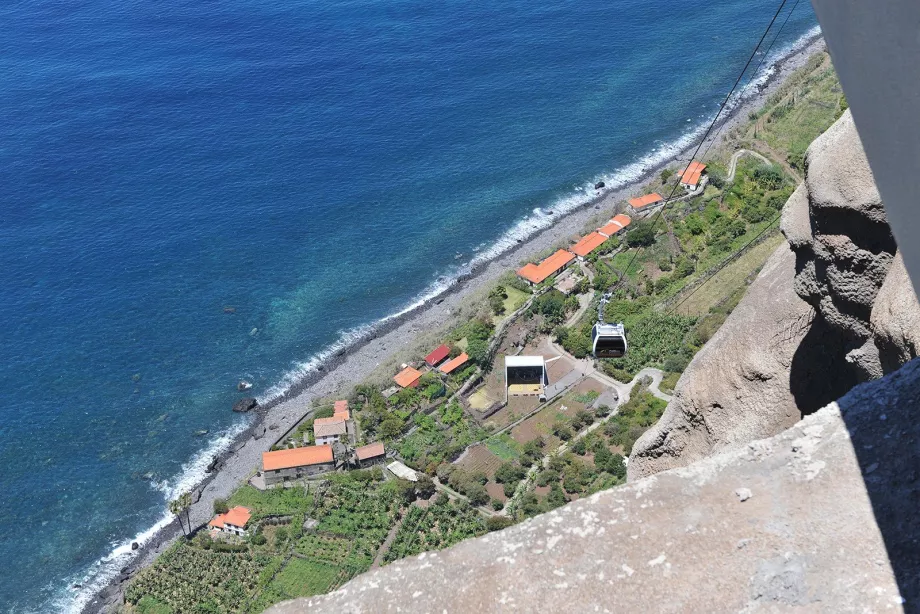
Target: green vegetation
[[634, 418], [275, 501], [503, 447], [302, 578], [149, 605], [439, 439], [186, 579], [441, 525]]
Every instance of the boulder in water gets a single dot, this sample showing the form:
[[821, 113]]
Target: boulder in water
[[135, 546], [599, 185], [245, 404]]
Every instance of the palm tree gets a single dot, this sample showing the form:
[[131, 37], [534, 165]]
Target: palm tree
[[180, 504]]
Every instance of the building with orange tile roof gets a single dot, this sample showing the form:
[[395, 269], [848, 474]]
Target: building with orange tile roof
[[284, 465], [452, 365], [234, 521], [691, 177], [327, 431], [370, 454], [537, 273], [408, 377], [588, 244], [340, 406], [641, 202], [618, 223]]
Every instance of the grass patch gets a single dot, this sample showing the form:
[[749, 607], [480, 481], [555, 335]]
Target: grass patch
[[668, 382], [149, 605], [586, 398], [725, 282], [503, 447], [301, 578], [280, 501]]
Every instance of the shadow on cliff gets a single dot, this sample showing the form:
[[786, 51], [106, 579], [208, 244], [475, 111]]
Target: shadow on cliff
[[885, 434], [819, 374]]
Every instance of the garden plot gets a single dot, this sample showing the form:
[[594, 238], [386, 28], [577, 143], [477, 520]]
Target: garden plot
[[478, 459], [440, 526], [185, 578]]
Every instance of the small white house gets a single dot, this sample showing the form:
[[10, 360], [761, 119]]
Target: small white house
[[234, 521]]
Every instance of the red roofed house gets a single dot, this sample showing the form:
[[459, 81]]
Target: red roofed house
[[618, 223], [234, 521], [452, 365], [537, 273], [283, 465], [327, 431], [648, 200], [693, 174], [588, 244], [437, 355], [408, 378], [371, 454]]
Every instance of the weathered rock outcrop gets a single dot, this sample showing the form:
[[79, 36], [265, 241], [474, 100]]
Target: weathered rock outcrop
[[737, 388], [821, 318], [743, 531]]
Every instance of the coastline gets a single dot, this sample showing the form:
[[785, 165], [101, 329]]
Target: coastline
[[352, 363]]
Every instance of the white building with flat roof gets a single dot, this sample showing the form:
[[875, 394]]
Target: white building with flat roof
[[525, 376]]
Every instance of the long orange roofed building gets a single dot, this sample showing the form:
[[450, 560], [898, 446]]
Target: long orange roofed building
[[536, 273], [296, 457], [644, 201], [588, 244], [618, 223]]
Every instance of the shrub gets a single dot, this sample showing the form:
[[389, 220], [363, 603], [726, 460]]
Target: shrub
[[580, 447], [768, 176], [547, 476], [509, 473], [497, 505], [642, 235], [562, 431], [220, 506], [666, 174], [497, 523]]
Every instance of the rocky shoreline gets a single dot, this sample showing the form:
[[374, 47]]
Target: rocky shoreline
[[353, 364]]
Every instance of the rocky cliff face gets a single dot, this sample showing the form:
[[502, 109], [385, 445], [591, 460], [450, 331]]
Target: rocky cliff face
[[830, 310]]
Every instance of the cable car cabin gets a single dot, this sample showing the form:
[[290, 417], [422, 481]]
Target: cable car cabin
[[608, 340]]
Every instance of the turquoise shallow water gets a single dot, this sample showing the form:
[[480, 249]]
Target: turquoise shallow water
[[316, 166]]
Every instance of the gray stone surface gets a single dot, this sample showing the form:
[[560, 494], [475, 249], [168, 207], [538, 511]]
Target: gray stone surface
[[737, 387], [827, 524], [845, 248], [895, 319]]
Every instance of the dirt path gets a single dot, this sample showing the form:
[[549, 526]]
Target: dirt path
[[733, 163], [385, 546]]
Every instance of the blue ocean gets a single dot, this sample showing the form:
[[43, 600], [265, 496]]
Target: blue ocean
[[195, 193]]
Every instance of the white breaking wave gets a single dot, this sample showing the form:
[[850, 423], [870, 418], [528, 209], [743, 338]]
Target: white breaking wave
[[100, 573]]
